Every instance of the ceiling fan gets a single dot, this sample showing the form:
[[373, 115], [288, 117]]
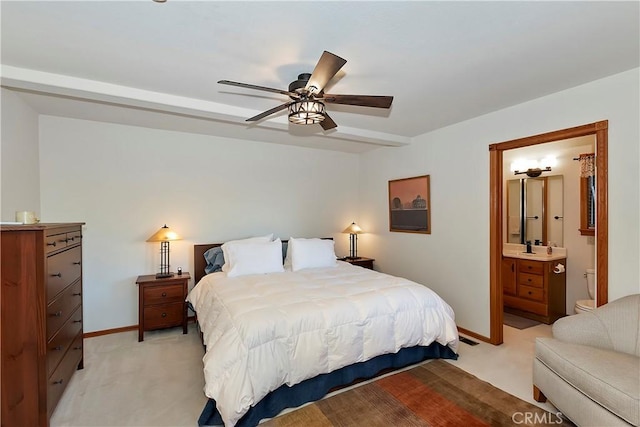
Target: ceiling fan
[[307, 106]]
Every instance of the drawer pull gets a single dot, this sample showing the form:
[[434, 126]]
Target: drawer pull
[[56, 275], [60, 381], [57, 348], [70, 238], [164, 314], [51, 244], [77, 321], [76, 294], [57, 314], [77, 263], [164, 294], [78, 347], [529, 292]]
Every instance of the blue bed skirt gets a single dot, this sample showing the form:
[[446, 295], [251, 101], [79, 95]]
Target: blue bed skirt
[[317, 387]]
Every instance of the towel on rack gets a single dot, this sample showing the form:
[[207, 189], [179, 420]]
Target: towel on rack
[[514, 225]]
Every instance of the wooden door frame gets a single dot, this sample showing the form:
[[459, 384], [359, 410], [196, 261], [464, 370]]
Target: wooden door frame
[[600, 130]]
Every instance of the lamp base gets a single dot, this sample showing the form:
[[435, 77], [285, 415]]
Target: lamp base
[[163, 275]]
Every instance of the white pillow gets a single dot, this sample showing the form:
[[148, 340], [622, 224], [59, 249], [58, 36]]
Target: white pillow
[[227, 248], [311, 253], [256, 258]]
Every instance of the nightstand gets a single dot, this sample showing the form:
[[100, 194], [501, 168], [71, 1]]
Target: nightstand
[[360, 262], [161, 303]]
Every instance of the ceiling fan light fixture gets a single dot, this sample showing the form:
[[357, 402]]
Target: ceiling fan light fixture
[[306, 112]]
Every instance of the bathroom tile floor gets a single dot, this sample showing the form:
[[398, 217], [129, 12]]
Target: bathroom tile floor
[[159, 381]]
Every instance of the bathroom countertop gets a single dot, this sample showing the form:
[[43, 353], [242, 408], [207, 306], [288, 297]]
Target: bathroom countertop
[[514, 250], [533, 256]]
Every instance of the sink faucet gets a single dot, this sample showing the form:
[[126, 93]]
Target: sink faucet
[[529, 251]]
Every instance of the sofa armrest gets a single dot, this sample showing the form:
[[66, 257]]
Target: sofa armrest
[[583, 329]]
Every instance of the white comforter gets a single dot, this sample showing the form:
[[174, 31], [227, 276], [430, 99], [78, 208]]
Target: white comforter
[[263, 331]]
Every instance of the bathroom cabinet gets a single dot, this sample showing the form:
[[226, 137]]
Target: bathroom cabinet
[[533, 290]]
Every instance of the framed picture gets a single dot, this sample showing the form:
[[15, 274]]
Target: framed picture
[[409, 207]]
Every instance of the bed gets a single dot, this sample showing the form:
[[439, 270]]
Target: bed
[[285, 338]]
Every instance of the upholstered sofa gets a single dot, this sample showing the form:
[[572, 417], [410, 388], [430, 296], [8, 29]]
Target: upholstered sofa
[[590, 369]]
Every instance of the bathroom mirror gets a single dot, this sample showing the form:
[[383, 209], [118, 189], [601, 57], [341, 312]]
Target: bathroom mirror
[[535, 210]]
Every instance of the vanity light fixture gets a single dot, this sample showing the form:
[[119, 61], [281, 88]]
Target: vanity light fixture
[[533, 168], [353, 230], [164, 236]]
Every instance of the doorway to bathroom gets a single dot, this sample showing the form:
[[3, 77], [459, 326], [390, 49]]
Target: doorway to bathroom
[[498, 224]]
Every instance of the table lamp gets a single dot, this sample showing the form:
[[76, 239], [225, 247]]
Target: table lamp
[[353, 230], [164, 236]]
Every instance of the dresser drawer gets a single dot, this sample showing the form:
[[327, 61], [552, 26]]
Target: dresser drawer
[[535, 280], [63, 269], [61, 308], [535, 294], [162, 294], [58, 380], [60, 343], [163, 316], [533, 267]]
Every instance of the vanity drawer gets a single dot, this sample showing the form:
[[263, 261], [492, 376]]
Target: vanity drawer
[[535, 280], [62, 307], [163, 316], [163, 294], [529, 292], [63, 269], [533, 267], [59, 345]]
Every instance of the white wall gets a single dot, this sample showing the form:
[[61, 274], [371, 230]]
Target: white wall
[[125, 182], [454, 259], [20, 176]]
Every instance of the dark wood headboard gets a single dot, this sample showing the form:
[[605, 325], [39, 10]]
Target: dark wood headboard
[[199, 263]]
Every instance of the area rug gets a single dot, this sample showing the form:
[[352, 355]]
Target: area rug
[[518, 322], [432, 394]]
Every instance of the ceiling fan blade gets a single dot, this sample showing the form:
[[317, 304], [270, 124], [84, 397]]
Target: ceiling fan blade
[[361, 100], [268, 112], [256, 87], [327, 67], [328, 123]]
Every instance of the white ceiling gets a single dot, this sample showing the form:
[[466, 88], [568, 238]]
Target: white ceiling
[[156, 65]]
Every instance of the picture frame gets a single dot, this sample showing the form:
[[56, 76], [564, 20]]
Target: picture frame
[[409, 205]]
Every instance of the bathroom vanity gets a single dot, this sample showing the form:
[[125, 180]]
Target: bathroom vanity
[[534, 285]]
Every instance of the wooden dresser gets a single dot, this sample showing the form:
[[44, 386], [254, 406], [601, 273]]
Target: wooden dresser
[[41, 318], [531, 289]]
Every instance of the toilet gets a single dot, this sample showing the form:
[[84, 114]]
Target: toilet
[[587, 305]]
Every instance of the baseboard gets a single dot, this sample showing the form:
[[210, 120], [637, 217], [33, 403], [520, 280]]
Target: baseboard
[[123, 329], [110, 331], [474, 335]]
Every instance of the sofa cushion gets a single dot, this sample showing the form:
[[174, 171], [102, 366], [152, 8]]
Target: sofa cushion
[[611, 379], [614, 326]]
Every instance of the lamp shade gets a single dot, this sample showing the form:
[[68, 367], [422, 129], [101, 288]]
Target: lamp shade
[[165, 234], [353, 228]]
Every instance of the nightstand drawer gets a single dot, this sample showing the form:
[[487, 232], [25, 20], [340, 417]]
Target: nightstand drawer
[[163, 316], [162, 294]]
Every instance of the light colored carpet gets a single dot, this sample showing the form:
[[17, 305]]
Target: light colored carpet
[[157, 382]]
